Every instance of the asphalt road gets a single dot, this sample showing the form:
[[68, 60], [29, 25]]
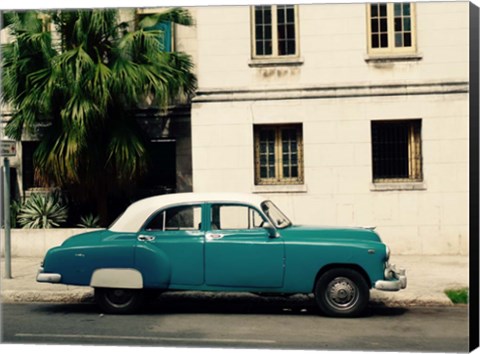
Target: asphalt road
[[239, 322]]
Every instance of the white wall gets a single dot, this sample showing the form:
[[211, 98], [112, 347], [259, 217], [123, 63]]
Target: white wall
[[36, 242], [234, 96], [337, 159], [333, 47]]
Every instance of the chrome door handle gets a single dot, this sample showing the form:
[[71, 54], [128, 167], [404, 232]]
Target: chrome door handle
[[213, 236], [146, 238]]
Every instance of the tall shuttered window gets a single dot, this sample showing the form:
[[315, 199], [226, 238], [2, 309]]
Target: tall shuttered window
[[275, 31], [391, 28], [278, 154], [164, 31]]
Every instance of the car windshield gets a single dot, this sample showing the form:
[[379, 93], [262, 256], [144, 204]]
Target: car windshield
[[277, 218]]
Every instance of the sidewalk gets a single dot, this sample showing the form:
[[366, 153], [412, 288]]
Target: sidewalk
[[428, 277]]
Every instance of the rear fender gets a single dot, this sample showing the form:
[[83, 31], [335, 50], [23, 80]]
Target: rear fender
[[154, 265], [117, 278]]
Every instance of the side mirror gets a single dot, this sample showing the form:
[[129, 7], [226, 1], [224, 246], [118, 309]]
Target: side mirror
[[272, 232]]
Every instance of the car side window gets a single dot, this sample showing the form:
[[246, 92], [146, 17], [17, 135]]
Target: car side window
[[181, 218], [235, 217]]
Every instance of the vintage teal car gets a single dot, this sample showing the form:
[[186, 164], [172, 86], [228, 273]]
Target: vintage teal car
[[222, 242]]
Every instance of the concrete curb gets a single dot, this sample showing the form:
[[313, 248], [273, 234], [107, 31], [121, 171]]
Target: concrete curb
[[80, 295], [412, 303], [25, 296], [406, 300]]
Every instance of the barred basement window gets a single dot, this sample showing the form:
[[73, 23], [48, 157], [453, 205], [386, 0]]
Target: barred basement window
[[396, 151], [278, 154]]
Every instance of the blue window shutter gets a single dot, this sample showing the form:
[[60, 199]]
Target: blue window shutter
[[166, 41], [165, 38]]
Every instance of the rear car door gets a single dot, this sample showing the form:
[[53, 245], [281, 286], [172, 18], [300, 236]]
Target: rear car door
[[170, 247]]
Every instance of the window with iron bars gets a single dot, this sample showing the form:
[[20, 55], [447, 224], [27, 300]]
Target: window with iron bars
[[278, 154], [397, 151]]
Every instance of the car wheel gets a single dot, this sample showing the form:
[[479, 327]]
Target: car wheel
[[118, 301], [342, 292]]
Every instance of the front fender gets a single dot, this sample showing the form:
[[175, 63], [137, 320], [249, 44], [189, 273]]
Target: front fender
[[304, 262]]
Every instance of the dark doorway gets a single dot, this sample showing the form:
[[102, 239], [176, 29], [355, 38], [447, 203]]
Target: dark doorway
[[161, 176], [28, 169]]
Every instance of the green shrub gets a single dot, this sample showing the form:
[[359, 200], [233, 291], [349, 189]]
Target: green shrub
[[458, 296], [89, 222], [42, 211], [14, 210]]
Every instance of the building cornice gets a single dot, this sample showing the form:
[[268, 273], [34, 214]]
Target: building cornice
[[330, 92]]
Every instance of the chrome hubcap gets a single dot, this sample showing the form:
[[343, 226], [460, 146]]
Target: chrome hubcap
[[119, 297], [342, 293]]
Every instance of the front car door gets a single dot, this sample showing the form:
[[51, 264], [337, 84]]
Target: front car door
[[239, 252]]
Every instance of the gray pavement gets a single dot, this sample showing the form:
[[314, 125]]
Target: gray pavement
[[428, 277]]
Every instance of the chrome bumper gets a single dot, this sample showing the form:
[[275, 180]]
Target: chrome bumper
[[395, 279], [48, 277]]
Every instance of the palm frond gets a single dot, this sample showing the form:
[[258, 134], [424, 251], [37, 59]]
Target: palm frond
[[126, 149], [176, 15], [29, 53], [85, 80]]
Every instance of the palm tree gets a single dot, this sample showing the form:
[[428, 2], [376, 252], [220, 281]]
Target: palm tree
[[84, 79]]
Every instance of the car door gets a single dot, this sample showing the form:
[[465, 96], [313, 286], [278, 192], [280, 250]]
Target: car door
[[239, 252], [170, 248]]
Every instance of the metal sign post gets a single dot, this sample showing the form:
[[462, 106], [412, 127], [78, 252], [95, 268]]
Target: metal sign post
[[8, 148], [6, 218]]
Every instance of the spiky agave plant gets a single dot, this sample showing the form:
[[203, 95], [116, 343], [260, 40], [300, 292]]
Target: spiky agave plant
[[43, 211], [89, 222]]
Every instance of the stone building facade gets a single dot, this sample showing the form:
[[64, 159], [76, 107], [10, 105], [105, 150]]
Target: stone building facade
[[343, 114]]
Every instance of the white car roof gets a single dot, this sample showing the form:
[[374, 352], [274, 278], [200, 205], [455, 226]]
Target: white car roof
[[136, 214]]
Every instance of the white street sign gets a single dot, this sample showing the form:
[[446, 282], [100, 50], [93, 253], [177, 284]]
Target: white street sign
[[8, 148]]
